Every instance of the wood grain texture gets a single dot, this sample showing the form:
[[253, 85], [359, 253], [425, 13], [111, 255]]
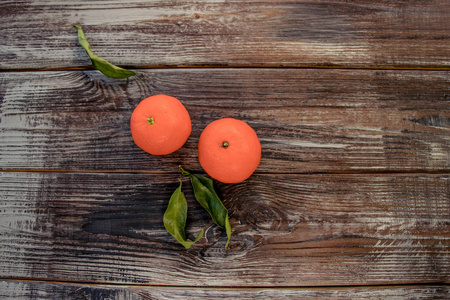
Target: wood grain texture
[[307, 120], [288, 230], [44, 290], [411, 34], [350, 100]]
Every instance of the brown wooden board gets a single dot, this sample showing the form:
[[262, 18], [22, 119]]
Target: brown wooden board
[[350, 100], [46, 290], [287, 230], [401, 34], [307, 120]]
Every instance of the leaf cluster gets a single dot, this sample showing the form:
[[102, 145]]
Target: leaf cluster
[[176, 212]]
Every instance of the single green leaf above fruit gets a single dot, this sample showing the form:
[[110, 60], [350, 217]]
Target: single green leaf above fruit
[[100, 64]]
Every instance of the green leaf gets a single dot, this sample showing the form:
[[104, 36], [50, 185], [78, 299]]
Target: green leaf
[[207, 197], [175, 218], [100, 64]]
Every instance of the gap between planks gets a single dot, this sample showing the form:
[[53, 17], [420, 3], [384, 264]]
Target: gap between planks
[[343, 172], [278, 287], [252, 66]]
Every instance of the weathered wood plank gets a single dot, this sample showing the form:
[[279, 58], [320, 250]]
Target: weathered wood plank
[[44, 290], [307, 120], [288, 230], [415, 34]]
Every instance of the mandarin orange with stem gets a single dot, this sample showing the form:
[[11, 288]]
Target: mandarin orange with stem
[[160, 124], [229, 150]]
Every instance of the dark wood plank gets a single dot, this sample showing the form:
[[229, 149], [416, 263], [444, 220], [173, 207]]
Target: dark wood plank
[[412, 34], [288, 230], [307, 120], [44, 290]]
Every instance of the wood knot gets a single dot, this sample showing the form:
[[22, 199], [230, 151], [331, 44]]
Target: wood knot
[[240, 245], [266, 218]]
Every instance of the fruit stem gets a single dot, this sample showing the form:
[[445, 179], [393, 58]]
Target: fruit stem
[[183, 171], [225, 144], [150, 121]]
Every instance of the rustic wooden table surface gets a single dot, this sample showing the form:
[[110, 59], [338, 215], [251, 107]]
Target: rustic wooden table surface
[[350, 100]]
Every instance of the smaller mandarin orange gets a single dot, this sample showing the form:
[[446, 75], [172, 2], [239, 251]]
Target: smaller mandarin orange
[[229, 150], [160, 124]]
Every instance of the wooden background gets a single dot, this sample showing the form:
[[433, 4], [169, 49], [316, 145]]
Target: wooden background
[[351, 102]]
